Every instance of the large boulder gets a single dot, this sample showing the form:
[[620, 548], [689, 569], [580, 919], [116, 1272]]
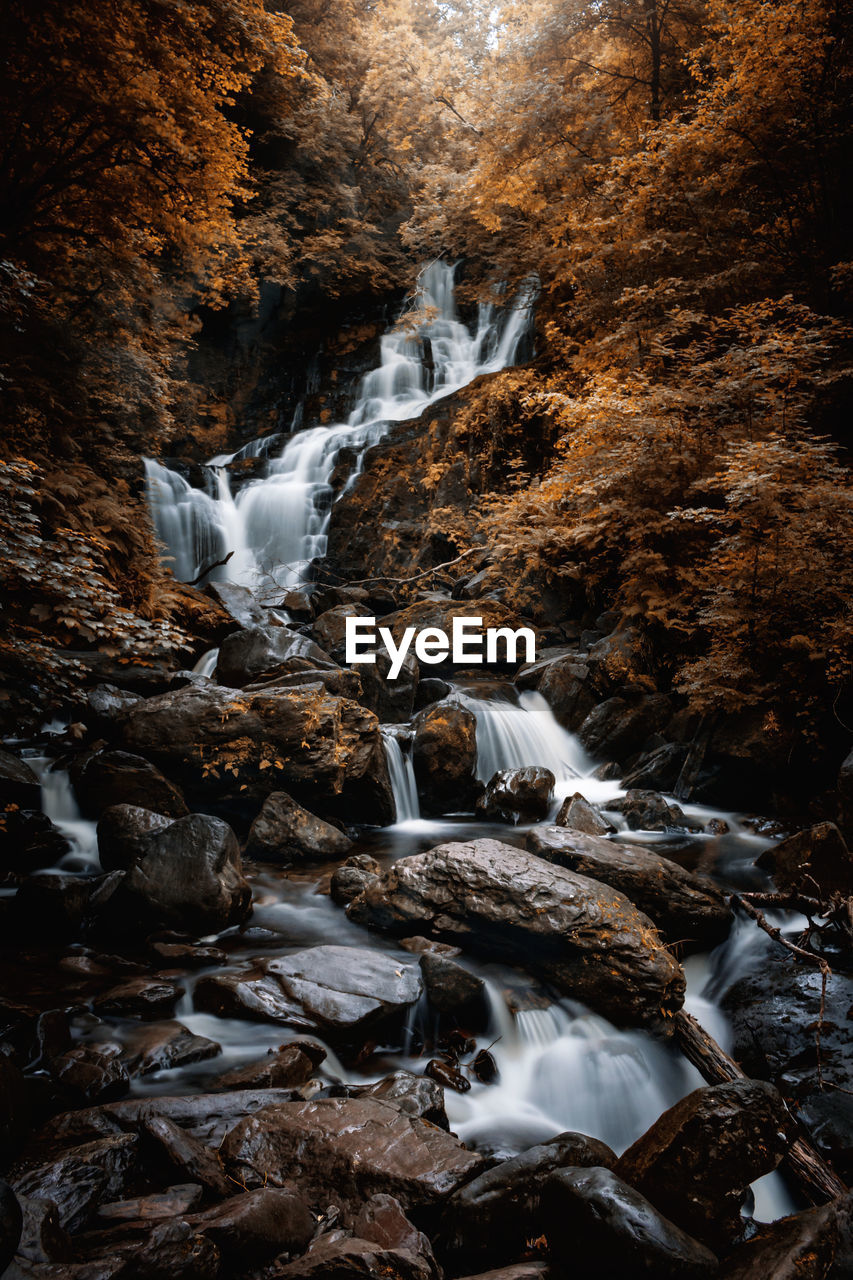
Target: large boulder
[[494, 900], [343, 1150], [650, 811], [123, 834], [284, 832], [445, 758], [81, 1178], [816, 862], [698, 1159], [250, 1229], [518, 795], [491, 1219], [440, 613], [619, 726], [245, 745], [578, 814], [686, 907], [240, 604], [597, 1225], [774, 1012], [393, 701], [244, 655], [338, 1255], [344, 991], [190, 877], [105, 778], [563, 681]]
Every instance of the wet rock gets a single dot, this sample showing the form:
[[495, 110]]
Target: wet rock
[[286, 1069], [123, 833], [106, 703], [418, 945], [382, 1220], [816, 862], [445, 758], [346, 1149], [87, 1076], [81, 1178], [583, 936], [139, 998], [344, 991], [105, 778], [303, 673], [284, 832], [185, 1154], [190, 875], [447, 1075], [648, 811], [774, 1012], [416, 1096], [491, 1219], [685, 906], [250, 1229], [455, 992], [329, 627], [29, 841], [393, 701], [579, 815], [185, 955], [596, 1225], [518, 795], [339, 1256], [657, 770], [248, 994], [299, 605], [42, 1238], [11, 1224], [563, 681], [239, 603], [801, 1247], [170, 1250], [164, 1046], [353, 878], [618, 727], [430, 689], [440, 611], [171, 1203], [247, 745], [698, 1159], [245, 655], [18, 784]]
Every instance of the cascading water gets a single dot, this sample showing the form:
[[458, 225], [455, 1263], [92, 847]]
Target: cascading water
[[275, 526], [402, 774], [515, 730]]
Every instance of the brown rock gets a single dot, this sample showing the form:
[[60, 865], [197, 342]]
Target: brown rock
[[284, 832], [583, 936]]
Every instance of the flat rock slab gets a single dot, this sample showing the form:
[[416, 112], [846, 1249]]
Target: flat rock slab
[[582, 936], [685, 907], [343, 1150], [345, 989]]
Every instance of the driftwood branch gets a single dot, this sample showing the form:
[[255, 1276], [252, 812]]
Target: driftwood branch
[[217, 564], [813, 1176], [425, 573]]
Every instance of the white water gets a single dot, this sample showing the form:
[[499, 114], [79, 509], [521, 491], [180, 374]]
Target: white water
[[514, 734], [277, 525], [402, 774]]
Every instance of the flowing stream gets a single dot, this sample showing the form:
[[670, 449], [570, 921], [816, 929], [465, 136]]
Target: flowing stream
[[560, 1066]]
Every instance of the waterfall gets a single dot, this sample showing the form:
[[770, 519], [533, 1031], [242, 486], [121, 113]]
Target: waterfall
[[402, 774], [519, 729], [276, 525]]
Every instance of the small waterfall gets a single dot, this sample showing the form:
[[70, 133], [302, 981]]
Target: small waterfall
[[520, 729], [275, 526], [60, 804], [206, 664], [402, 774]]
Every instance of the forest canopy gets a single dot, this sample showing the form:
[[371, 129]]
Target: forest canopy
[[677, 177]]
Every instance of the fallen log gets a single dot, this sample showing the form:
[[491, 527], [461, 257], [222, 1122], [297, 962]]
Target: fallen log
[[817, 1181]]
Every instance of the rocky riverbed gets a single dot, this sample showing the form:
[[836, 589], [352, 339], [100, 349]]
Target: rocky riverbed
[[256, 1025]]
